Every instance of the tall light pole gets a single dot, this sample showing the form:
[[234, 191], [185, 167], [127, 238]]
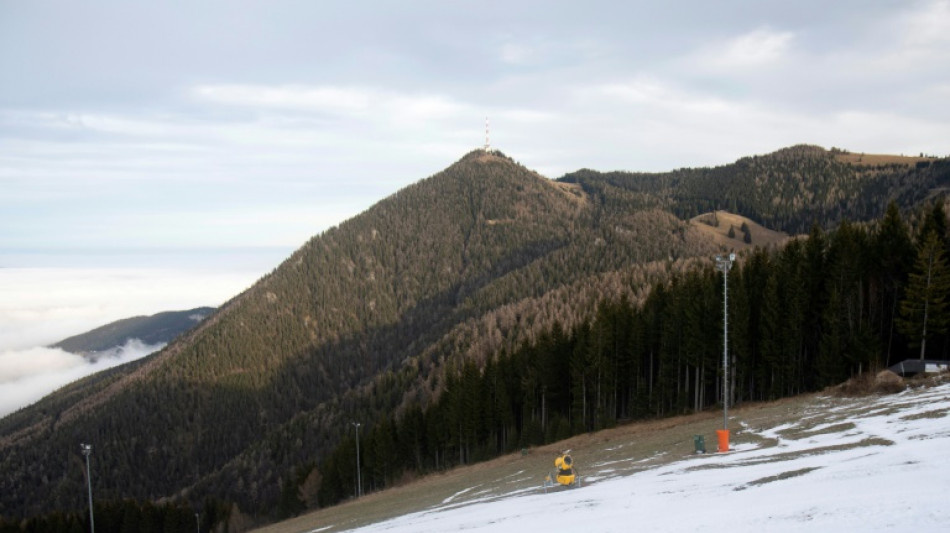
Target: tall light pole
[[87, 450], [724, 263], [359, 483]]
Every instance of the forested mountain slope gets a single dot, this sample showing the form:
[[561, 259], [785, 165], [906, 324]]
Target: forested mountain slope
[[787, 190], [354, 302], [362, 321]]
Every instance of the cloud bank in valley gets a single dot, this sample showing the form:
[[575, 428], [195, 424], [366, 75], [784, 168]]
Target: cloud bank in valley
[[28, 375], [42, 306]]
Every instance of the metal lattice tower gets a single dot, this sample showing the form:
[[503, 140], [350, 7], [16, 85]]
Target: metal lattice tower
[[487, 142]]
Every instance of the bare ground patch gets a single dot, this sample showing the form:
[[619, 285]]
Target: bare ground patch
[[936, 413], [805, 433], [797, 454], [778, 477], [761, 236], [879, 159]]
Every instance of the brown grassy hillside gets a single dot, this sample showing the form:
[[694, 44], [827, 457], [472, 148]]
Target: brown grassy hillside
[[716, 225]]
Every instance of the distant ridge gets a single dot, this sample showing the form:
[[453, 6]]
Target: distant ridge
[[788, 190], [160, 328]]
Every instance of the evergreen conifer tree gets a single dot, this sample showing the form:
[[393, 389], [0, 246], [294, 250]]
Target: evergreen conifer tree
[[935, 221], [924, 310], [894, 255]]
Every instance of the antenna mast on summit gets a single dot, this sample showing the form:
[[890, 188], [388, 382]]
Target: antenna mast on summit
[[487, 143]]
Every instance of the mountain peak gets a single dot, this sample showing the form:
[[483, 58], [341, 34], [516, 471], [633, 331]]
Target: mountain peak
[[481, 155]]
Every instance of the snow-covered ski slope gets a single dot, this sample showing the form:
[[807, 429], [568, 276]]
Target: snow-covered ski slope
[[879, 463]]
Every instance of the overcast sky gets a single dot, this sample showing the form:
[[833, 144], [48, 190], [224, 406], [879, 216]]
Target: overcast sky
[[238, 123]]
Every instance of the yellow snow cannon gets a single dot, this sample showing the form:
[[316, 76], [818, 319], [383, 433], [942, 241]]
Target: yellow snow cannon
[[564, 473]]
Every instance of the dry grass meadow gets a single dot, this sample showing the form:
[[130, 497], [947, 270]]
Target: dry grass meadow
[[613, 452]]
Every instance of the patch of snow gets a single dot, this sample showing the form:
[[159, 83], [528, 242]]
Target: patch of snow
[[886, 470]]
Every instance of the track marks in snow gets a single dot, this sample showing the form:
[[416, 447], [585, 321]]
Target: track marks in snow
[[459, 493]]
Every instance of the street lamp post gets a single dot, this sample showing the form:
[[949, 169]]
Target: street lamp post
[[87, 450], [724, 263], [359, 482]]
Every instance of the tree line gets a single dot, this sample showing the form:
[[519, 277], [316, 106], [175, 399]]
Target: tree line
[[787, 190], [127, 516], [803, 316]]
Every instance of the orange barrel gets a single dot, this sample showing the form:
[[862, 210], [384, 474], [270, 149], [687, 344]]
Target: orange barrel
[[723, 436]]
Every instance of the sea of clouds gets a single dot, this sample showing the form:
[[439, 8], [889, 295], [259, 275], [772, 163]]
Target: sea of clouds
[[40, 306], [26, 376]]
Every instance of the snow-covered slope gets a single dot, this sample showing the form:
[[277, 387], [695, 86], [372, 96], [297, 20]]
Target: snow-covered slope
[[866, 464]]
